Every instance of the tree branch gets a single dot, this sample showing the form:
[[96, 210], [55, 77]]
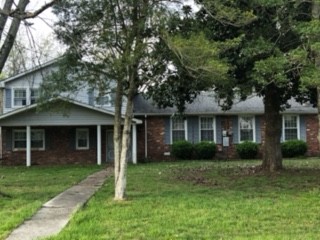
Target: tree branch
[[26, 15]]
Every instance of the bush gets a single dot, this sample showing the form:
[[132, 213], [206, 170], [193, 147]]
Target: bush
[[182, 150], [247, 150], [293, 148], [205, 150]]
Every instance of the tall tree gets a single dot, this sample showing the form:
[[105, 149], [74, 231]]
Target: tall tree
[[270, 58], [113, 44], [11, 15]]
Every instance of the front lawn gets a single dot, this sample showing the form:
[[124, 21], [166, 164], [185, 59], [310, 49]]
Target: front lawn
[[205, 200], [23, 190]]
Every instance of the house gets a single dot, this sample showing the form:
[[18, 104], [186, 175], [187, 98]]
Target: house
[[29, 137], [205, 121], [85, 133]]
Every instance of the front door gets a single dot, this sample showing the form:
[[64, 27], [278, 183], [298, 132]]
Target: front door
[[110, 148]]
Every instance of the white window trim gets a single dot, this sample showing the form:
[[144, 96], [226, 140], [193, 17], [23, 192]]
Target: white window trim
[[283, 126], [214, 127], [253, 130], [32, 130], [87, 134], [28, 95], [12, 97], [185, 130]]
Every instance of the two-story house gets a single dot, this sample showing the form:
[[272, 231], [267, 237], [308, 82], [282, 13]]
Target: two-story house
[[82, 134]]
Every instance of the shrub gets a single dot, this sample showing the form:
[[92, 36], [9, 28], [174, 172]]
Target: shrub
[[182, 150], [247, 150], [293, 148], [205, 150]]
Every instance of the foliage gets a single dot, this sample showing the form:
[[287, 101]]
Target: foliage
[[205, 150], [182, 150], [24, 190], [205, 200], [247, 150], [293, 148], [111, 45]]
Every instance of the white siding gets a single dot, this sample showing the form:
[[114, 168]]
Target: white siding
[[76, 115]]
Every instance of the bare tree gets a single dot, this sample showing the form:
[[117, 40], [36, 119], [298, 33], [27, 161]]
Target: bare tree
[[11, 15]]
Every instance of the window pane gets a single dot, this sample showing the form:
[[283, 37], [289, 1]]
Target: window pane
[[178, 135], [206, 129], [290, 127], [246, 128], [178, 131], [20, 97], [82, 138], [35, 94]]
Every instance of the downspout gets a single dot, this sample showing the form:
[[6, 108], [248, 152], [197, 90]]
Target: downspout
[[145, 137]]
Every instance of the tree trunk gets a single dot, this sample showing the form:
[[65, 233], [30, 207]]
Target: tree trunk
[[3, 18], [272, 156], [11, 36]]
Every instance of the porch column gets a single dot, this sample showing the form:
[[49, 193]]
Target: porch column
[[99, 144], [28, 149], [134, 143]]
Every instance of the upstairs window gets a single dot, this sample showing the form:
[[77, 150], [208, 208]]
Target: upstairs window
[[290, 127], [246, 128], [178, 129], [207, 129], [19, 97], [34, 95]]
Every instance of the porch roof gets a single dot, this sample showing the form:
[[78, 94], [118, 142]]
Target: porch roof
[[75, 113]]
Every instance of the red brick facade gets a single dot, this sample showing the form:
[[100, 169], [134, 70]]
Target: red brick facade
[[157, 149], [59, 148]]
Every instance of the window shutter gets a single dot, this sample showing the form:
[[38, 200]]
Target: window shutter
[[91, 97], [167, 130], [218, 130], [193, 129], [303, 128], [235, 129], [8, 98]]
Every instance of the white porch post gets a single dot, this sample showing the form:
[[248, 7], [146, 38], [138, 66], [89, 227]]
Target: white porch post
[[28, 150], [99, 144], [134, 143]]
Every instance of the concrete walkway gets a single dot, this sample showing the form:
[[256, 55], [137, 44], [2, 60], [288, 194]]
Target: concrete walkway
[[55, 214]]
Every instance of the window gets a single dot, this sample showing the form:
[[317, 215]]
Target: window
[[290, 127], [246, 128], [82, 138], [207, 129], [20, 139], [178, 129], [19, 97], [104, 100], [34, 95]]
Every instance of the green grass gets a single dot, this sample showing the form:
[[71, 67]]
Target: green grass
[[23, 190], [205, 200]]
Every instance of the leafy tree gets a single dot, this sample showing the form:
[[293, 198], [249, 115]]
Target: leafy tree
[[11, 15], [264, 43], [111, 46]]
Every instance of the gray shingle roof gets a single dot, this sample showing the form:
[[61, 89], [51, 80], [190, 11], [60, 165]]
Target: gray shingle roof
[[206, 103]]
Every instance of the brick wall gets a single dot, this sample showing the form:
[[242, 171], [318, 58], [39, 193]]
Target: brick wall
[[60, 149], [157, 147], [312, 135]]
